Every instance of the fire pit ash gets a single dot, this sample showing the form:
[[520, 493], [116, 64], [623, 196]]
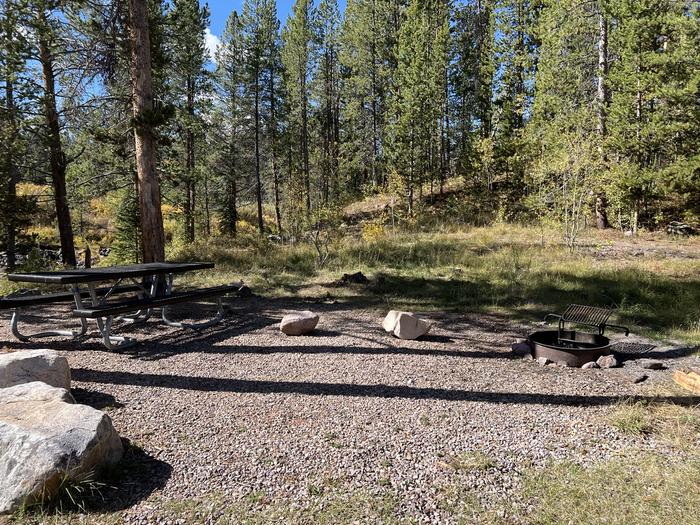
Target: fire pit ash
[[573, 347]]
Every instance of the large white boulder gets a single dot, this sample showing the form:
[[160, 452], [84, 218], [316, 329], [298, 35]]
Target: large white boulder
[[299, 323], [26, 366], [405, 325], [46, 439]]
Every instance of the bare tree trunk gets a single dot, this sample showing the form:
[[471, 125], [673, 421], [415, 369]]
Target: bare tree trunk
[[273, 150], [142, 101], [258, 183], [57, 157], [190, 187], [207, 213], [13, 177], [601, 204], [305, 143]]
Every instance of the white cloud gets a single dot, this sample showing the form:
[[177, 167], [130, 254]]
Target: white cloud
[[212, 42]]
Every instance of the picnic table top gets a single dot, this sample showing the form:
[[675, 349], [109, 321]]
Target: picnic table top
[[108, 273]]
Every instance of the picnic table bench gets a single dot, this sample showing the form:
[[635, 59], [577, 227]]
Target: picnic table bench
[[141, 289]]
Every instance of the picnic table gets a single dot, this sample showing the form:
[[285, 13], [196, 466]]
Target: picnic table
[[146, 287]]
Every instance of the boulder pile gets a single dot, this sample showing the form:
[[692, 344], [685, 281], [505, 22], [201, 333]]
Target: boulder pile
[[46, 439]]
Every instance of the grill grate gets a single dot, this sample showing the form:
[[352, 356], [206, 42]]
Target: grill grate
[[594, 316], [588, 315]]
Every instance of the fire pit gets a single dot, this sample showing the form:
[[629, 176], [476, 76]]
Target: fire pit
[[572, 347]]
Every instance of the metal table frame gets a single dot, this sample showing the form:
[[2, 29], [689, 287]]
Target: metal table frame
[[145, 276]]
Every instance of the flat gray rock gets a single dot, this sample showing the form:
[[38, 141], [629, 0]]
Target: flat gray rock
[[43, 439], [34, 391], [26, 366]]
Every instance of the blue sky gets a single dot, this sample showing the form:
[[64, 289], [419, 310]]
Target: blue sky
[[221, 9]]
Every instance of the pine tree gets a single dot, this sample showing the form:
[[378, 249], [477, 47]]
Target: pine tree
[[298, 57], [326, 93], [15, 51], [228, 120], [368, 47], [418, 105], [654, 112], [272, 93], [47, 26], [189, 82], [254, 50]]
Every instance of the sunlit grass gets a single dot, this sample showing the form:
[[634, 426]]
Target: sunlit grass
[[523, 271]]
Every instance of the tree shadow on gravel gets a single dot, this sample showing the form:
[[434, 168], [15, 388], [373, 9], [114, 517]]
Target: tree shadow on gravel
[[214, 384]]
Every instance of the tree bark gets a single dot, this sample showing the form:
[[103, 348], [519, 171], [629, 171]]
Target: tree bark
[[190, 187], [305, 135], [57, 157], [601, 205], [142, 101], [13, 176], [273, 149], [258, 182]]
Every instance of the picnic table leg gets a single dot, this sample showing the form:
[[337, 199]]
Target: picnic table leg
[[104, 324], [194, 326], [14, 327]]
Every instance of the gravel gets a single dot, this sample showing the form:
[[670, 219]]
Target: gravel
[[241, 408]]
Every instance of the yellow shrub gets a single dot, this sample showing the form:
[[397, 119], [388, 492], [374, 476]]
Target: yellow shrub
[[373, 231]]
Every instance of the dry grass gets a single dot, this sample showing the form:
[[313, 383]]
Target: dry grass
[[642, 489]]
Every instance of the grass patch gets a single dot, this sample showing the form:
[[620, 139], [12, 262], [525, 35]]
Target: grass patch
[[674, 424], [257, 509], [475, 461], [647, 489]]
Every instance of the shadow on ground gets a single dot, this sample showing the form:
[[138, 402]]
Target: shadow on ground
[[214, 384]]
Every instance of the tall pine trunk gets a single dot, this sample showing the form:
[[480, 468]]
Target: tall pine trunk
[[142, 100], [273, 150], [258, 182], [13, 175], [190, 187], [305, 138], [57, 157], [601, 211]]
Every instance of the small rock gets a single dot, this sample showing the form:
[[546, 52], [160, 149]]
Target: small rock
[[651, 364], [543, 361], [521, 348], [26, 366], [353, 278], [590, 364], [408, 326], [607, 361], [638, 378], [563, 364], [299, 323]]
